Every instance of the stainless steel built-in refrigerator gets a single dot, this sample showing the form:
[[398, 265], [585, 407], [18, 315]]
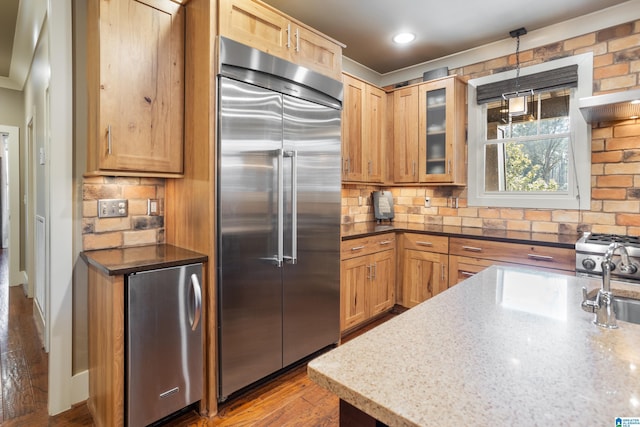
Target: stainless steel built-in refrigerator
[[278, 214]]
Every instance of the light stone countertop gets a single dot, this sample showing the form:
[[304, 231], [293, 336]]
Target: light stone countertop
[[508, 346]]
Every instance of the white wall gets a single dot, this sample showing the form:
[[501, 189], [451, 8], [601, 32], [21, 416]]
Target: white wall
[[64, 388], [11, 114], [11, 107], [53, 197], [35, 108]]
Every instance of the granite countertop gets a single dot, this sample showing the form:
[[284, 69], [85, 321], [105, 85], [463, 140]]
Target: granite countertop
[[140, 258], [363, 229], [508, 346]]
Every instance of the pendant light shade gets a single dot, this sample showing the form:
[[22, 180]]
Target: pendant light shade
[[519, 102]]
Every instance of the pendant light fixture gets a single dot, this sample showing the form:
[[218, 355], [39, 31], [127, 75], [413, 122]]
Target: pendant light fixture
[[518, 102]]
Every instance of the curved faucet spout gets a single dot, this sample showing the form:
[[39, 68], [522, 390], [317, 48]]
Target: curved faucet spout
[[626, 266]]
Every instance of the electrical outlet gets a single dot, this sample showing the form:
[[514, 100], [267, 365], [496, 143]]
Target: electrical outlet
[[154, 207], [427, 202], [112, 208]]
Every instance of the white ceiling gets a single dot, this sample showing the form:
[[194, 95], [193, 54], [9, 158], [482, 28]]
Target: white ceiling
[[442, 27], [20, 24], [8, 16]]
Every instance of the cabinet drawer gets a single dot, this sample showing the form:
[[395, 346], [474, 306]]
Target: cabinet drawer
[[367, 245], [527, 254], [426, 242]]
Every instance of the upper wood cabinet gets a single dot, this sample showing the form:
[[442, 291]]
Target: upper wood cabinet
[[135, 80], [405, 134], [260, 26], [363, 130], [429, 133], [375, 119], [352, 130]]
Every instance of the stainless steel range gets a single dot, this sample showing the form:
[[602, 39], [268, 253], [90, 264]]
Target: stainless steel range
[[592, 247]]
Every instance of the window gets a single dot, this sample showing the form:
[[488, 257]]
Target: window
[[540, 158]]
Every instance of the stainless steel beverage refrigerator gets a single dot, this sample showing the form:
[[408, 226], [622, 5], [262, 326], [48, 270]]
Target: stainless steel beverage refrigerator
[[278, 214]]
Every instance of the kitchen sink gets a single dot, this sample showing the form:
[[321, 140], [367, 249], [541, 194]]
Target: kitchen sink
[[627, 309]]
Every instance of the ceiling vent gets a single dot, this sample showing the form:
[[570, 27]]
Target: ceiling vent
[[623, 105]]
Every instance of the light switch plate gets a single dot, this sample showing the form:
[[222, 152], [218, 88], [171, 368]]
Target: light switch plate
[[112, 208]]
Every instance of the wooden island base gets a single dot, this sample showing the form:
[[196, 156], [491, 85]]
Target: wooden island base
[[350, 416]]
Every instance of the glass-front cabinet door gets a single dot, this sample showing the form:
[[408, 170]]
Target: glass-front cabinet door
[[442, 141]]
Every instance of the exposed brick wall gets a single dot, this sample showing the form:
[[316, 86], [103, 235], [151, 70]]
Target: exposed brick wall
[[615, 170], [137, 228]]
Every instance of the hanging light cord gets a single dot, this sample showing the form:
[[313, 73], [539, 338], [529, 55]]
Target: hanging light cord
[[518, 65]]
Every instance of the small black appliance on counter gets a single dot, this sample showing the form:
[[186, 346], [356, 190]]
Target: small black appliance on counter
[[382, 205]]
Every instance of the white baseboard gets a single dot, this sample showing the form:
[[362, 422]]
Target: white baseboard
[[39, 321]]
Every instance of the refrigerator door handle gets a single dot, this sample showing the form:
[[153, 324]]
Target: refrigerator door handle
[[197, 301], [280, 208], [293, 258]]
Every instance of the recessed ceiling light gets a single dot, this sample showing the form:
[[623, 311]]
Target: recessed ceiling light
[[404, 38]]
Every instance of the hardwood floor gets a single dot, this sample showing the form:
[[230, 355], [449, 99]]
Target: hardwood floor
[[23, 362], [291, 399]]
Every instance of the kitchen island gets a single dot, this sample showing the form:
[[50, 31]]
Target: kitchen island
[[508, 346]]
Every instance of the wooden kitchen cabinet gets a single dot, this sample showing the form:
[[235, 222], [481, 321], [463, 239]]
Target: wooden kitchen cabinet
[[367, 278], [352, 128], [424, 267], [469, 256], [461, 268], [258, 25], [405, 135], [363, 130], [429, 133], [107, 283], [375, 119], [106, 304], [135, 80]]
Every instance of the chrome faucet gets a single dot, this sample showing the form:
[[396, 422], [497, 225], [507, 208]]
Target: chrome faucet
[[602, 306]]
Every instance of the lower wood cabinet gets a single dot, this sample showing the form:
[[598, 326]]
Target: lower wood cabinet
[[367, 278], [424, 267], [461, 268], [469, 256], [424, 276]]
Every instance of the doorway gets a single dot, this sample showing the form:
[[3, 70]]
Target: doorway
[[4, 190], [11, 202]]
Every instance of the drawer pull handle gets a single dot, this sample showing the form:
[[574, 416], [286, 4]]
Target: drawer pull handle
[[472, 249], [357, 248], [385, 242], [424, 243], [467, 273], [540, 257]]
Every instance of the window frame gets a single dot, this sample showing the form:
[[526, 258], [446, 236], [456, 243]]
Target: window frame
[[578, 195]]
